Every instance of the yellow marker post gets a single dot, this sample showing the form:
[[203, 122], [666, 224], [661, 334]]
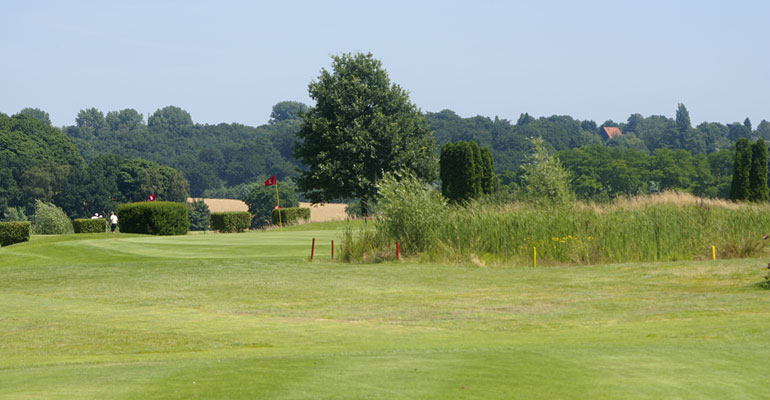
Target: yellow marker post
[[534, 257], [278, 202], [713, 253]]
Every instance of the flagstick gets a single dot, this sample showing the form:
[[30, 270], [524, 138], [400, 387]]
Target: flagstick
[[278, 201]]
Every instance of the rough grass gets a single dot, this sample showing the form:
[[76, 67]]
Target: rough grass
[[247, 316], [665, 227]]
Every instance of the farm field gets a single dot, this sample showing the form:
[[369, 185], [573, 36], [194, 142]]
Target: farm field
[[249, 316]]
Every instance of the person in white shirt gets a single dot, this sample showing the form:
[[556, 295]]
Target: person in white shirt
[[113, 221]]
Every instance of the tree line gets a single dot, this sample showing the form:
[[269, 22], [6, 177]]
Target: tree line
[[107, 158]]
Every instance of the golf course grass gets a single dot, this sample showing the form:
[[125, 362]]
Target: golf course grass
[[102, 316]]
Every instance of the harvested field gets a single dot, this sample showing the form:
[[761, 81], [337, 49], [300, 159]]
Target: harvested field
[[326, 211], [223, 205], [318, 212]]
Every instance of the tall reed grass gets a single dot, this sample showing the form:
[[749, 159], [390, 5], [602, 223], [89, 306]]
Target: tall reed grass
[[669, 226]]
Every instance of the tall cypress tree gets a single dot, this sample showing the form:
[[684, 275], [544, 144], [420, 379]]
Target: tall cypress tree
[[739, 189], [758, 190], [466, 171], [488, 178]]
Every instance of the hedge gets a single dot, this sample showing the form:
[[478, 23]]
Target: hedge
[[14, 232], [154, 218], [231, 221], [90, 225], [292, 215]]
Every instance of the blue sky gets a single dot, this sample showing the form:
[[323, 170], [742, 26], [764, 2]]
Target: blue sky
[[228, 61]]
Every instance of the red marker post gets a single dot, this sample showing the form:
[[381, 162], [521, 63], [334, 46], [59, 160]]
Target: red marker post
[[332, 249], [312, 250], [397, 251]]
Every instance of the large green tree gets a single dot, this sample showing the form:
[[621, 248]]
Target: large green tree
[[361, 126]]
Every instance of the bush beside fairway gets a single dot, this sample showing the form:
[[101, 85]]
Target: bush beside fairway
[[246, 316]]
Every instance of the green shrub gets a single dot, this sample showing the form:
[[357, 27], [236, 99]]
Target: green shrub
[[291, 215], [14, 232], [231, 221], [200, 215], [90, 225], [154, 218], [50, 220]]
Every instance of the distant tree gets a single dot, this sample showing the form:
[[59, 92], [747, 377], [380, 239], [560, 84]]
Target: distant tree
[[524, 119], [170, 118], [361, 127], [738, 131], [740, 187], [287, 110], [763, 130], [124, 120], [588, 126], [90, 123], [37, 114], [758, 189], [747, 123], [682, 119], [633, 123]]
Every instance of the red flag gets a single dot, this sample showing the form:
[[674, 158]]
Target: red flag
[[270, 181], [151, 197]]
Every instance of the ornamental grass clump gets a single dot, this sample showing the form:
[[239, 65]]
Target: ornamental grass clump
[[50, 220]]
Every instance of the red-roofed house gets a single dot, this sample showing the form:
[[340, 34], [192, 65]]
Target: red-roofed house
[[611, 132]]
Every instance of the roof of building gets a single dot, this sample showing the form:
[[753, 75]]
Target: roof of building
[[612, 131]]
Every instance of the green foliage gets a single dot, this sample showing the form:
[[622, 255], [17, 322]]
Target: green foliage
[[758, 190], [36, 162], [14, 214], [740, 187], [200, 215], [261, 201], [353, 208], [287, 110], [50, 220], [37, 114], [361, 127], [544, 180], [153, 218], [231, 221], [209, 156], [89, 225], [14, 232], [290, 216], [170, 118]]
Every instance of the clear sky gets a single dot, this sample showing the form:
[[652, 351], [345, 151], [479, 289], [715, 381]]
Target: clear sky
[[228, 61]]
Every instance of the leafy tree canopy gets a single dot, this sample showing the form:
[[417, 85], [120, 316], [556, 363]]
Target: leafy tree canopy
[[361, 127]]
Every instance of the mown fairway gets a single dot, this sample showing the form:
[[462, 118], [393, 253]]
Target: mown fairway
[[247, 316]]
